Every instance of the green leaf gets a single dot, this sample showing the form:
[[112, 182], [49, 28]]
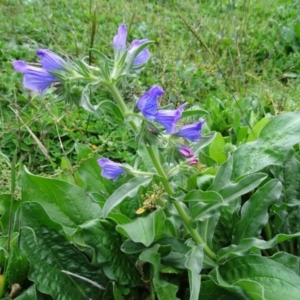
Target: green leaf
[[259, 277], [101, 237], [194, 112], [204, 141], [243, 186], [49, 253], [128, 189], [112, 107], [65, 203], [89, 170], [254, 134], [144, 230], [207, 204], [223, 176], [249, 245], [275, 140], [210, 290], [254, 213], [288, 260], [29, 294], [216, 149], [6, 217], [194, 261]]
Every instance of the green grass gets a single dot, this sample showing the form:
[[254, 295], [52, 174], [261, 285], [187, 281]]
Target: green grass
[[254, 58]]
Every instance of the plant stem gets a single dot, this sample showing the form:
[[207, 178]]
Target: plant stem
[[164, 178]]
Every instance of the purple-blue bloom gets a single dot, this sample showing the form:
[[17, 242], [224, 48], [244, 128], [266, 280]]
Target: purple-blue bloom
[[193, 161], [169, 118], [119, 41], [148, 103], [39, 79], [191, 132], [143, 56], [185, 151], [110, 169], [49, 60], [36, 79]]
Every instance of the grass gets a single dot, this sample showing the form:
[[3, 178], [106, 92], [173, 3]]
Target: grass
[[253, 58]]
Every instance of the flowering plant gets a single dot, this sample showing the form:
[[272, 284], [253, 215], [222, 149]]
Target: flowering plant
[[177, 225]]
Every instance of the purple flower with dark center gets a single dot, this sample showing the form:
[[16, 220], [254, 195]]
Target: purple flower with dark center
[[185, 151], [148, 103], [39, 79], [119, 41], [169, 118], [193, 161], [143, 56], [191, 132], [110, 169]]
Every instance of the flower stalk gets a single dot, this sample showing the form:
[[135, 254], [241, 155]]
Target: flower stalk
[[164, 178]]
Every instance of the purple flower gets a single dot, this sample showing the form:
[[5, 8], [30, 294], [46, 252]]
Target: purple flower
[[185, 151], [148, 103], [193, 161], [110, 169], [36, 79], [191, 132], [143, 56], [39, 79], [169, 118], [119, 41], [49, 60]]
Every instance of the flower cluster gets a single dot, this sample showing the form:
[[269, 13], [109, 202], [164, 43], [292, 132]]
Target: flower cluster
[[39, 79]]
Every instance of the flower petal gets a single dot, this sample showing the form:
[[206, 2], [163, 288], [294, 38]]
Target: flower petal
[[119, 41], [169, 118], [143, 56], [191, 132], [36, 79], [110, 169], [49, 60], [148, 103]]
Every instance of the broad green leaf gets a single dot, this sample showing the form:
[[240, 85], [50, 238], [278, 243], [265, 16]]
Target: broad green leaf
[[101, 237], [254, 134], [260, 278], [211, 291], [243, 186], [89, 170], [207, 204], [144, 230], [117, 293], [249, 245], [49, 253], [216, 149], [194, 261], [288, 260], [128, 189], [223, 176], [254, 213], [274, 141], [194, 112], [65, 203]]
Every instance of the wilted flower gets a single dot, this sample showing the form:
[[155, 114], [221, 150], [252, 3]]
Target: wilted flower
[[119, 41], [39, 79], [185, 151], [110, 169], [191, 132], [193, 161], [169, 118], [148, 103]]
